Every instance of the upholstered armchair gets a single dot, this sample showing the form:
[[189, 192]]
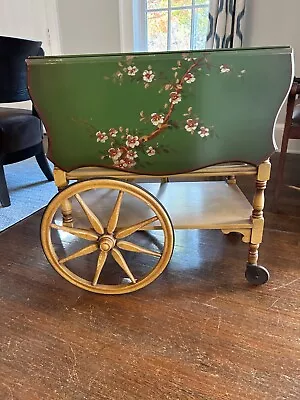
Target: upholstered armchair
[[21, 130]]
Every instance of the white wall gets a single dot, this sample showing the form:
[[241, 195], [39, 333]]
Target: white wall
[[25, 19], [89, 26], [275, 22]]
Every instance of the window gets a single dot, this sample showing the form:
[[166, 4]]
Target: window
[[161, 25]]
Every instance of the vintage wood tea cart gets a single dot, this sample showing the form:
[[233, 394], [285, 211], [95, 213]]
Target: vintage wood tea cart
[[112, 119]]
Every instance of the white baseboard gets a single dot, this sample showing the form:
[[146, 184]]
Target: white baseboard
[[294, 144]]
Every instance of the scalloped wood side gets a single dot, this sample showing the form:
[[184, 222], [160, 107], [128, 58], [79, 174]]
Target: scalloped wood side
[[245, 232]]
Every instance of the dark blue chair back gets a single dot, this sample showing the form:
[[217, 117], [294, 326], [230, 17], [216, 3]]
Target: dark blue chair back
[[13, 73]]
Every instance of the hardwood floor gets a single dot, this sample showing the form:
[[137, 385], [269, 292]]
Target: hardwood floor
[[199, 332]]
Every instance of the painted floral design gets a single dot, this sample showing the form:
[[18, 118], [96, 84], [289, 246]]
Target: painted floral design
[[112, 132], [150, 151], [131, 154], [121, 163], [203, 132], [132, 141], [157, 119], [191, 125], [114, 154], [243, 71], [130, 161], [189, 78], [129, 147], [175, 97], [224, 69], [101, 137], [148, 75], [132, 70]]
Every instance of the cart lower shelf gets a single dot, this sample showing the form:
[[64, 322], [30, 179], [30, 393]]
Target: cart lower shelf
[[191, 205]]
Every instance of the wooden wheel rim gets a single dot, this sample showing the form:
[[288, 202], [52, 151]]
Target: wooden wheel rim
[[125, 187]]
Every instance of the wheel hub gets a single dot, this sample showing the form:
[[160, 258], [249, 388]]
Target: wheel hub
[[107, 242]]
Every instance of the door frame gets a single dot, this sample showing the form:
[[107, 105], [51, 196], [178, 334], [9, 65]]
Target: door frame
[[52, 18], [126, 20]]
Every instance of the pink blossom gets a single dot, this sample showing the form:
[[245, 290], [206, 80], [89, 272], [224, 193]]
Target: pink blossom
[[132, 70], [148, 75], [189, 77], [130, 162], [191, 125], [114, 154], [157, 119], [112, 132], [203, 132], [175, 97], [131, 154], [120, 163], [132, 141], [101, 136], [224, 69], [124, 163], [150, 151]]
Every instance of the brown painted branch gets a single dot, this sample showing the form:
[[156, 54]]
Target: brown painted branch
[[152, 135], [83, 122], [165, 125]]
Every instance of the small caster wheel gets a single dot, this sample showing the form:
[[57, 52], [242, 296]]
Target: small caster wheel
[[256, 274]]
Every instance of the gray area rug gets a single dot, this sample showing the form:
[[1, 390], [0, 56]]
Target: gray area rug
[[29, 191]]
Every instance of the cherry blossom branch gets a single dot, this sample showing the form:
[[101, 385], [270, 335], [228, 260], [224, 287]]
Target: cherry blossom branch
[[178, 89], [123, 154]]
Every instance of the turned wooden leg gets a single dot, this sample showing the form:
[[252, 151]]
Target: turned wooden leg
[[253, 254], [61, 182], [263, 175], [255, 273]]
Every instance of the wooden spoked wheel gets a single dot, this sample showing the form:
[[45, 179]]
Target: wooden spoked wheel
[[95, 253]]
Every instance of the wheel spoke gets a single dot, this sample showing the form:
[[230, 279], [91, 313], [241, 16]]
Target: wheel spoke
[[81, 233], [100, 264], [113, 221], [124, 232], [82, 252], [122, 244], [94, 221], [121, 261]]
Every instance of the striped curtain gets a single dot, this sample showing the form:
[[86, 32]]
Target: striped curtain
[[226, 24]]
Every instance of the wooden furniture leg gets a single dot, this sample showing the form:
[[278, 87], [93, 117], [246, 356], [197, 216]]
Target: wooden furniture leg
[[285, 140], [255, 273], [61, 182]]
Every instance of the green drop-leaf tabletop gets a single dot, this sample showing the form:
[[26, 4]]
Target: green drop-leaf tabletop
[[161, 113]]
